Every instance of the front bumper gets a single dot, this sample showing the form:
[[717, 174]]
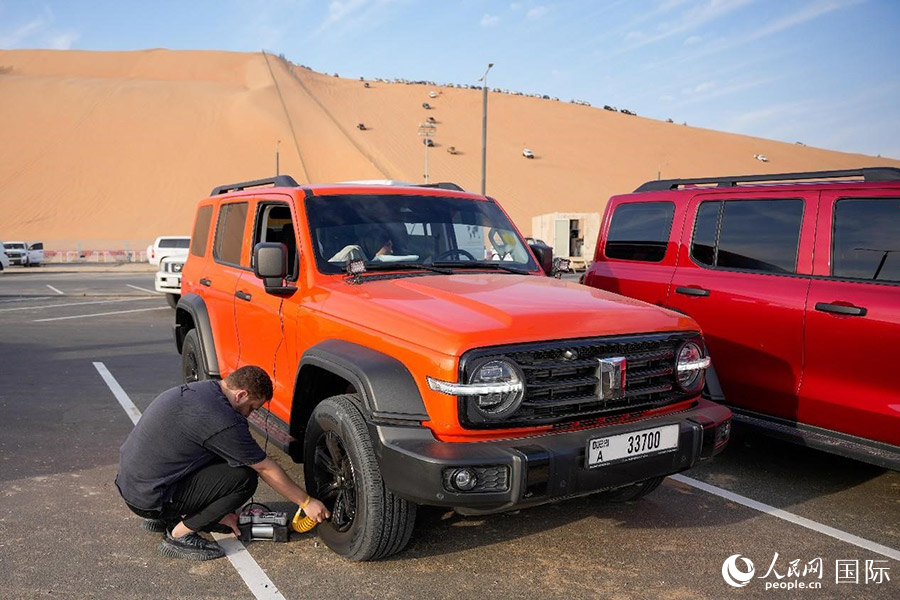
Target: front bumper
[[168, 283], [541, 468], [16, 259]]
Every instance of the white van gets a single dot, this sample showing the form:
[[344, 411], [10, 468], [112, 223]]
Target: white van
[[168, 245], [4, 260]]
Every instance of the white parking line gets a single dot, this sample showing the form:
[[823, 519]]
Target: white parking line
[[130, 409], [254, 577], [790, 517], [115, 312], [142, 289], [57, 305], [55, 290]]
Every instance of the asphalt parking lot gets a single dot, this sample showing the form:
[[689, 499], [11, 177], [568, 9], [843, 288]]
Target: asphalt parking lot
[[64, 532]]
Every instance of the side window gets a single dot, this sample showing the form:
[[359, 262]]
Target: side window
[[274, 224], [866, 242], [703, 246], [758, 235], [230, 233], [201, 231], [640, 231]]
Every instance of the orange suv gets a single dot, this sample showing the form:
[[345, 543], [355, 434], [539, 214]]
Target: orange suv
[[421, 355]]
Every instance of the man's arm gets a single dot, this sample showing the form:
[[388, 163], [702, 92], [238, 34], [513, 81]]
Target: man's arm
[[275, 476]]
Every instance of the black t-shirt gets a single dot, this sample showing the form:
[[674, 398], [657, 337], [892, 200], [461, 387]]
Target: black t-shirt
[[184, 428]]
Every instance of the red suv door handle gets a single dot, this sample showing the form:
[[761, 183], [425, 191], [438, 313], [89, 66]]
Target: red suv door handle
[[206, 282], [840, 309], [691, 291], [243, 295]]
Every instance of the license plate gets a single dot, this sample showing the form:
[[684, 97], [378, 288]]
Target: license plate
[[625, 446]]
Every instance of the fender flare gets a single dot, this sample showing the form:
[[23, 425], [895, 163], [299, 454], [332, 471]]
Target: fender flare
[[191, 313], [385, 385]]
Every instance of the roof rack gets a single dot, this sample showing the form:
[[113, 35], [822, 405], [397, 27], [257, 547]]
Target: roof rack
[[868, 174], [277, 181], [444, 185]]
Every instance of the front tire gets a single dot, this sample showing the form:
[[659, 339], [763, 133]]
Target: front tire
[[193, 367], [367, 521]]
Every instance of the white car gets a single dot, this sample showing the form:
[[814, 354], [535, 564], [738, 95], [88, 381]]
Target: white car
[[168, 278], [30, 254], [168, 245], [527, 153], [4, 260]]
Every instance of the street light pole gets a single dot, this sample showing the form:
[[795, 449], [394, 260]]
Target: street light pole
[[484, 129], [426, 130], [277, 148]]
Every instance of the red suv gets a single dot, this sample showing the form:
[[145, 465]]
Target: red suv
[[795, 281]]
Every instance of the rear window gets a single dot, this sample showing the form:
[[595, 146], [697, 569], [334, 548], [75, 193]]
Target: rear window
[[866, 242], [201, 231], [174, 243], [640, 231], [756, 235], [230, 233]]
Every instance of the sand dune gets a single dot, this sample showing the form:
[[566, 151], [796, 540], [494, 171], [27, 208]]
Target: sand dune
[[107, 150]]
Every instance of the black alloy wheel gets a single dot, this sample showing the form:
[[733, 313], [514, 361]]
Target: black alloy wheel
[[193, 368], [334, 480]]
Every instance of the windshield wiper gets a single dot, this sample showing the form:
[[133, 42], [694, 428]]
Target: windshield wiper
[[404, 266], [482, 265]]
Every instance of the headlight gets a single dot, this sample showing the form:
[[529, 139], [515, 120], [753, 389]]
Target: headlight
[[496, 387], [690, 367]]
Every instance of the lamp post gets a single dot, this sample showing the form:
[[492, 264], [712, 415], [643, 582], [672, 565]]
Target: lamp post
[[484, 128], [277, 148], [426, 130]]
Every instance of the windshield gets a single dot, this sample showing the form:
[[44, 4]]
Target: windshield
[[14, 246], [411, 230]]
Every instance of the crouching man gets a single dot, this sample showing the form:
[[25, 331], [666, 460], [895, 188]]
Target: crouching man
[[191, 462]]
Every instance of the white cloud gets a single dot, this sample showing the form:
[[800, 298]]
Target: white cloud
[[537, 12], [694, 39], [489, 20], [339, 10], [515, 6], [63, 41], [635, 36], [22, 33]]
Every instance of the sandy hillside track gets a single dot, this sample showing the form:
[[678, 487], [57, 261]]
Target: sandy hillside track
[[110, 149]]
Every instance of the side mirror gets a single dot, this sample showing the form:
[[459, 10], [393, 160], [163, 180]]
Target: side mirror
[[270, 265], [544, 254]]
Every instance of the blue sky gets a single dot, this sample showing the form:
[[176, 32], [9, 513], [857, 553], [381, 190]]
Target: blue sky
[[822, 72]]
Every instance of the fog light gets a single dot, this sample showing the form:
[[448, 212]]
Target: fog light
[[723, 432], [464, 479]]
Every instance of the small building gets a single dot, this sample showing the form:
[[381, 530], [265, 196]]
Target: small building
[[572, 235]]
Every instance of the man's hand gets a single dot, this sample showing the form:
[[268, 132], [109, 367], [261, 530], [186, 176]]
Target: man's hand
[[231, 520], [316, 511]]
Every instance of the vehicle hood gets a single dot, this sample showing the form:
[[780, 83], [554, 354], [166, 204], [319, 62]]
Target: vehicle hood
[[454, 313]]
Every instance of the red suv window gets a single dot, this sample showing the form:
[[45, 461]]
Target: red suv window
[[867, 239], [640, 231], [758, 235]]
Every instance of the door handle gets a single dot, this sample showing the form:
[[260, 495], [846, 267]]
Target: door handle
[[243, 295], [840, 309], [205, 281], [691, 291]]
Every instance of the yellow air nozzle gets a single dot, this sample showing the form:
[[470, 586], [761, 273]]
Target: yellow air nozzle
[[301, 523]]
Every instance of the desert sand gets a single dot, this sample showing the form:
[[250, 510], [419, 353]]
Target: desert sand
[[107, 150]]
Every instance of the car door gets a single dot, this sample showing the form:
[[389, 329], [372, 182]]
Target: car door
[[743, 273], [853, 317], [221, 276], [260, 317], [636, 255]]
